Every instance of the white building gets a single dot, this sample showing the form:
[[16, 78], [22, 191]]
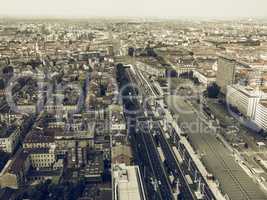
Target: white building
[[261, 115], [154, 71], [127, 183], [9, 138], [42, 157], [245, 99], [206, 78], [26, 108]]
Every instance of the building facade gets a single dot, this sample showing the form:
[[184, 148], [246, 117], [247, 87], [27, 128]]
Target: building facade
[[245, 99], [261, 115], [42, 157], [9, 140], [225, 73]]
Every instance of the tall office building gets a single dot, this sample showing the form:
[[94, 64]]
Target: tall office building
[[225, 73]]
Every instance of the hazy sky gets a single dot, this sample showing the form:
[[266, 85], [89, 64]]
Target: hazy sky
[[156, 8]]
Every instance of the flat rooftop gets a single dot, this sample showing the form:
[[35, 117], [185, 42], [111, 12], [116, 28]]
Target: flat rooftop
[[127, 180]]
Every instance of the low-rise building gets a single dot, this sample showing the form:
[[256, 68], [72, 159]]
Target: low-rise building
[[9, 138], [37, 176], [26, 108], [121, 154], [127, 183], [37, 139], [205, 77], [14, 174], [42, 157], [94, 169], [117, 119], [155, 71]]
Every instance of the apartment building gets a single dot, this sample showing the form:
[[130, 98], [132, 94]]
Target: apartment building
[[42, 157], [9, 138]]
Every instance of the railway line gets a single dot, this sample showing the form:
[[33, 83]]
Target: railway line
[[219, 161]]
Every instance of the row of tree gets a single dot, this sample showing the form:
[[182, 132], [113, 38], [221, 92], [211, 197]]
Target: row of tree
[[4, 157], [213, 90], [50, 191]]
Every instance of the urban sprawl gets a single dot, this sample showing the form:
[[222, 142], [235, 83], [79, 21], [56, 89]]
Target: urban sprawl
[[133, 109]]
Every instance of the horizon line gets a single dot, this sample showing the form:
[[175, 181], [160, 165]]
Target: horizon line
[[43, 16]]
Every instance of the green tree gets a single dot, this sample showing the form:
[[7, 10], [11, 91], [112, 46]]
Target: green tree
[[131, 51], [4, 157], [213, 90]]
